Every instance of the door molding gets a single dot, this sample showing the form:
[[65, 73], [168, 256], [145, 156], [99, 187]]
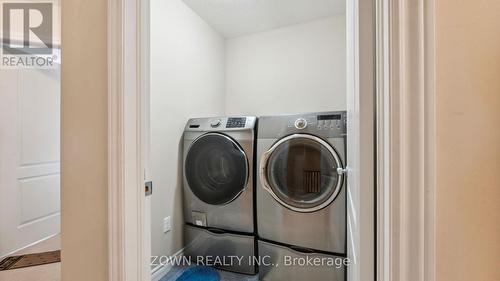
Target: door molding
[[128, 92], [406, 136], [360, 133]]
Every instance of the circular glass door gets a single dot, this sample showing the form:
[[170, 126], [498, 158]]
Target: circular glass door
[[216, 169], [300, 172]]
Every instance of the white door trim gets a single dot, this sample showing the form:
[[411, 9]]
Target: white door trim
[[406, 139], [128, 84], [360, 134]]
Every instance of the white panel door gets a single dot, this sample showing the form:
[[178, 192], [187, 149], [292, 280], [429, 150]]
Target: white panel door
[[29, 157]]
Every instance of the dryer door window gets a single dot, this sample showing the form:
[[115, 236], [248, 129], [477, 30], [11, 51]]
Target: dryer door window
[[300, 172], [216, 169]]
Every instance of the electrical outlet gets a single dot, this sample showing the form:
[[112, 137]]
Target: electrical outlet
[[166, 224]]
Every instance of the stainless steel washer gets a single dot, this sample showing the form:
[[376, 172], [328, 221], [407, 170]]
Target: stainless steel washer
[[301, 193], [218, 189]]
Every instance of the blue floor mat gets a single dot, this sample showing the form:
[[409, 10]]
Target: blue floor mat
[[176, 272], [199, 273]]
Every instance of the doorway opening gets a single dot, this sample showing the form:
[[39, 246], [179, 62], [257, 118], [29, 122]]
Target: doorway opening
[[30, 103], [233, 58]]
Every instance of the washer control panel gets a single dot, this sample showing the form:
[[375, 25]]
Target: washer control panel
[[236, 122], [210, 124]]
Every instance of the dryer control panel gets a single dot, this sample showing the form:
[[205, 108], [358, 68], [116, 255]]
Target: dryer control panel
[[330, 124], [331, 121]]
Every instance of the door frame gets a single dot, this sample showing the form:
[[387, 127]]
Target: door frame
[[128, 137], [361, 139], [406, 140], [398, 98]]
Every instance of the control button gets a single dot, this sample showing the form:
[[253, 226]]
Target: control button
[[300, 123], [215, 123]]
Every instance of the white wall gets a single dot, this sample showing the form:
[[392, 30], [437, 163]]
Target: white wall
[[187, 80], [299, 68]]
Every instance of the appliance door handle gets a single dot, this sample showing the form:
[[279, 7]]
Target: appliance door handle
[[302, 250], [216, 230]]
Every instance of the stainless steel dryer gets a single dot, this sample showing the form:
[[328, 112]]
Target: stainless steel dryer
[[218, 188], [301, 194]]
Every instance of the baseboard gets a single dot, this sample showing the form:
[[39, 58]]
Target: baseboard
[[161, 270]]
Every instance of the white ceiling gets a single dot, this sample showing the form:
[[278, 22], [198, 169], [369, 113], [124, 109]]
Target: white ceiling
[[233, 18]]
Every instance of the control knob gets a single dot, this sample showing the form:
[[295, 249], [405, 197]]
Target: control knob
[[215, 123], [300, 123]]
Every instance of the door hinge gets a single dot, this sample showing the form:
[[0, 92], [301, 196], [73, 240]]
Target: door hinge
[[148, 188]]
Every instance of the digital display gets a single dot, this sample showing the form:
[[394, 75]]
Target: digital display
[[236, 122], [330, 117]]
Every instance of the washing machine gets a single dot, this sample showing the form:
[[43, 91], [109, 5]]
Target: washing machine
[[301, 191], [218, 190]]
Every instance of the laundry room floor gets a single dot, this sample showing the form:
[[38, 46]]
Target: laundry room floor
[[176, 272]]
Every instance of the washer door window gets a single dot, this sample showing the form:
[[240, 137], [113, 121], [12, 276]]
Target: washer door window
[[216, 169], [300, 172]]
